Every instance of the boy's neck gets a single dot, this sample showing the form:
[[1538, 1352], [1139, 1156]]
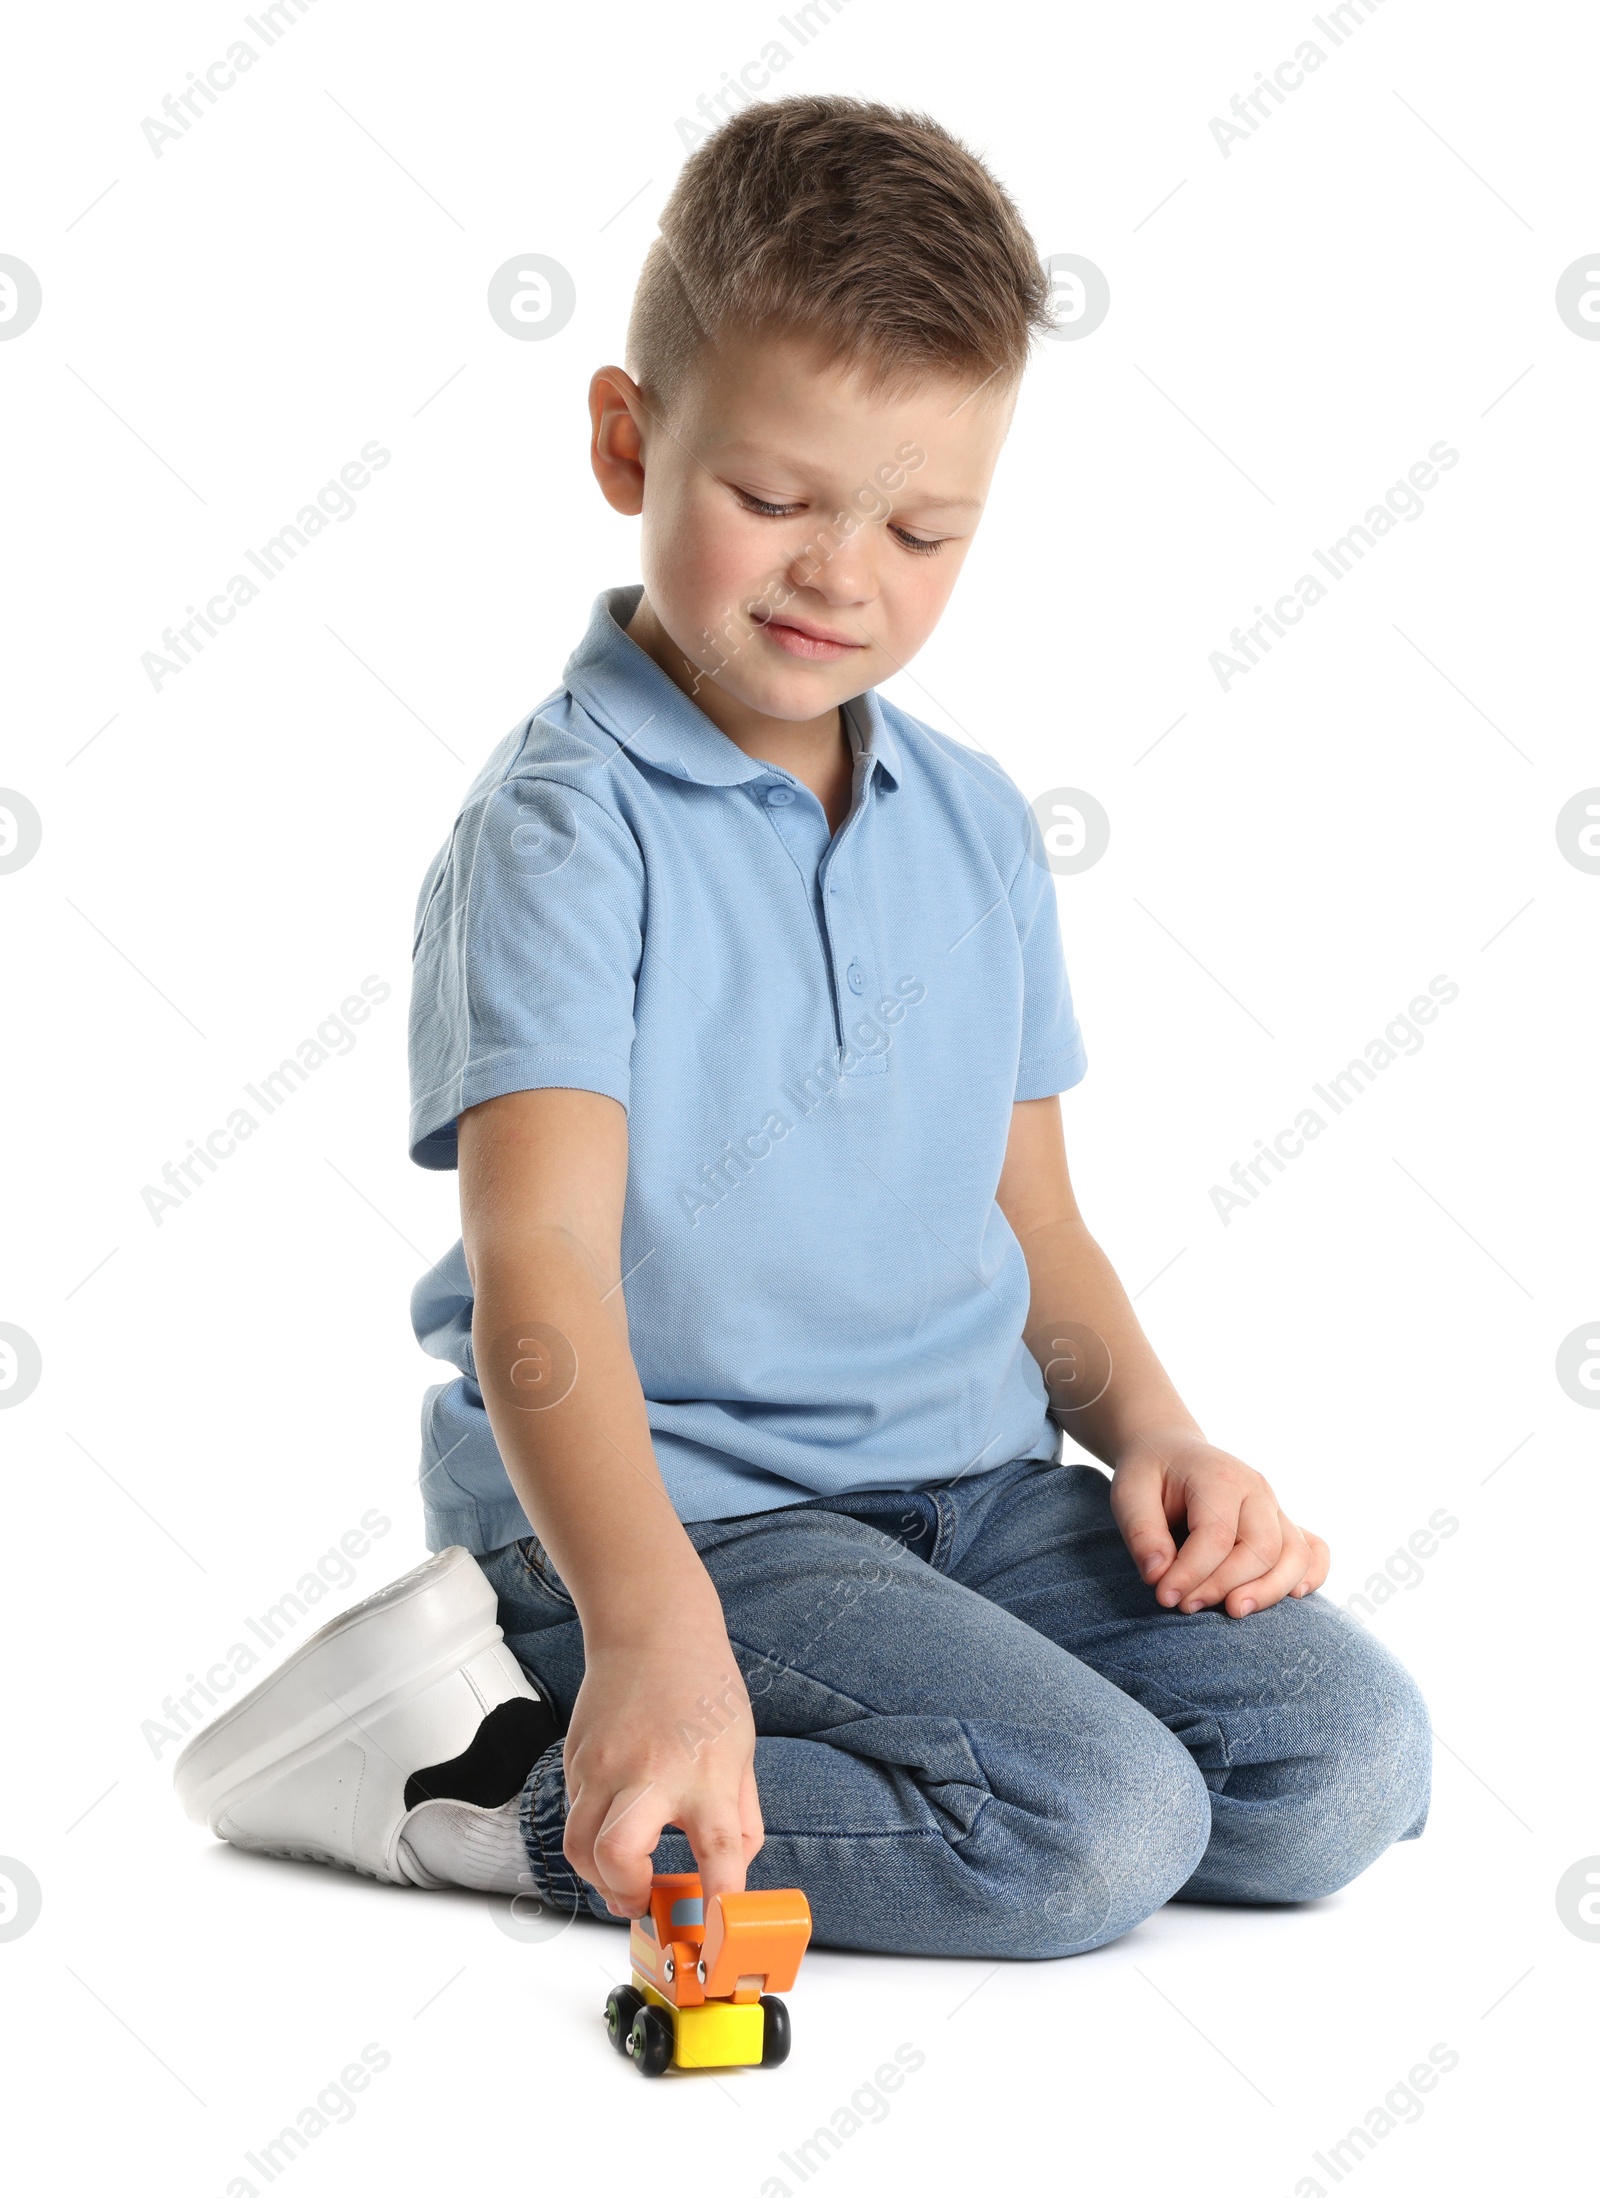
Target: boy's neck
[[815, 750]]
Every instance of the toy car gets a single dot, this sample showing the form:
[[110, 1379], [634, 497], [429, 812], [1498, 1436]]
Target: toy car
[[701, 1972]]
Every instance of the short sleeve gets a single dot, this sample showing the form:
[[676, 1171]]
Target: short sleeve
[[1052, 1056], [529, 934]]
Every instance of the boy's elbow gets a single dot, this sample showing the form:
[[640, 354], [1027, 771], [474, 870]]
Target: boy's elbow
[[503, 1262]]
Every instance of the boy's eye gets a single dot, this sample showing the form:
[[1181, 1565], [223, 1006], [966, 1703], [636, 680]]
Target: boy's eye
[[918, 544], [770, 511]]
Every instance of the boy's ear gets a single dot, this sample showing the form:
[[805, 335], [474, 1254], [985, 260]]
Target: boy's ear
[[616, 445]]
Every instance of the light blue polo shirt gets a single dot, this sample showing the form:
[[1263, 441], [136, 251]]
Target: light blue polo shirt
[[818, 1041]]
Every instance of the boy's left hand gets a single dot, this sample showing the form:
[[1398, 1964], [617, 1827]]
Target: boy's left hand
[[1240, 1551]]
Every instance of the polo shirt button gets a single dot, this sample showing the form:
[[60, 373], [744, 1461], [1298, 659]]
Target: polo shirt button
[[778, 795], [854, 978]]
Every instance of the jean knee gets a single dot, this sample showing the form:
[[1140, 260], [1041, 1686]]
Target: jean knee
[[1376, 1782], [1120, 1847], [1389, 1766]]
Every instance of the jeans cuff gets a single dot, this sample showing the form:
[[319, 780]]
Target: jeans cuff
[[541, 1819]]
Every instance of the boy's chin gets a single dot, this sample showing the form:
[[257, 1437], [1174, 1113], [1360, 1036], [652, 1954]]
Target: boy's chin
[[798, 701], [792, 699]]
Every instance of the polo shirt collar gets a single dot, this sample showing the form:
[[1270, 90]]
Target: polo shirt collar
[[634, 700]]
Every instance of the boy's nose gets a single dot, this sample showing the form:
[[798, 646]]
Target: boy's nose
[[837, 579]]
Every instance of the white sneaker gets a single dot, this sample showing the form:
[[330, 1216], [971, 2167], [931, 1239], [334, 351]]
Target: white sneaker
[[411, 1696]]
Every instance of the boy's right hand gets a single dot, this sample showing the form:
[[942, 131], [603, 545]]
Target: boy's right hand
[[661, 1733]]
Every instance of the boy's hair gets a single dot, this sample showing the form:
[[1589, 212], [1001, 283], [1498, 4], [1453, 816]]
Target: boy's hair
[[870, 230]]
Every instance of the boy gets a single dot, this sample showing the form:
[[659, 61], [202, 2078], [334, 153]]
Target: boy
[[740, 1006]]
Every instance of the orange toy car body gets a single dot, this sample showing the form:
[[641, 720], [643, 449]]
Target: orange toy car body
[[705, 1975]]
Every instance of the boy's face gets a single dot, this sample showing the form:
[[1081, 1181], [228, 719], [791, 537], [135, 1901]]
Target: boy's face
[[801, 538]]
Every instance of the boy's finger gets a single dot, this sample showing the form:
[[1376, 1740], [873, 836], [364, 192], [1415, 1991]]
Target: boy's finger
[[1319, 1562], [585, 1814], [1272, 1586], [1261, 1542], [1151, 1548], [752, 1829], [1211, 1537], [716, 1836], [1317, 1565], [627, 1838], [1136, 1505]]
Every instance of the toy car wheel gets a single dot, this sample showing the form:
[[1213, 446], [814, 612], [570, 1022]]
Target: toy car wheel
[[650, 2041], [621, 2007], [775, 2032]]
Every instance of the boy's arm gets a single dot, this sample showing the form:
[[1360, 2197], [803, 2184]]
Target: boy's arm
[[661, 1732], [1110, 1392]]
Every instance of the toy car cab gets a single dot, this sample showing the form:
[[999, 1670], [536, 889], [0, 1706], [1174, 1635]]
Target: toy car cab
[[705, 1978]]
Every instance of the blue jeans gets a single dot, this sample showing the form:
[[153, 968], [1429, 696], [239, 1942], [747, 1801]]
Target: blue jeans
[[979, 1733]]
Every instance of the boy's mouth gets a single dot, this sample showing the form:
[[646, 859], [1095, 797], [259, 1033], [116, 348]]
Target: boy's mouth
[[798, 637]]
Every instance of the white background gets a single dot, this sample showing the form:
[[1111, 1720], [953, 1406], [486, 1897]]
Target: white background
[[1291, 861]]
